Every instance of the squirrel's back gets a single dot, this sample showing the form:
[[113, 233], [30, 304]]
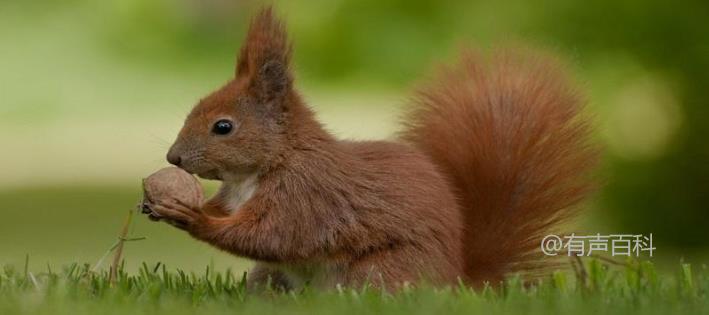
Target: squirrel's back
[[508, 133]]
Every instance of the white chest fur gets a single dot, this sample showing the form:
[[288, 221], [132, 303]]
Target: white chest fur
[[236, 191]]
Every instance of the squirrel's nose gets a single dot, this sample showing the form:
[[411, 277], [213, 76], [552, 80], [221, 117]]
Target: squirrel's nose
[[174, 159]]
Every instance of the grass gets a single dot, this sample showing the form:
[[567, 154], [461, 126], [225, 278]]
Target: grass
[[76, 289], [59, 226]]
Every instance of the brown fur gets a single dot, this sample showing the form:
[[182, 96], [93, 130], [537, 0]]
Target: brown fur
[[509, 134], [494, 158]]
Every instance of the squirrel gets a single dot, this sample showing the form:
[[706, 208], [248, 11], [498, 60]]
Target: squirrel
[[494, 152]]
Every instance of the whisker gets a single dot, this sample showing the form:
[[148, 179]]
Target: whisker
[[155, 139]]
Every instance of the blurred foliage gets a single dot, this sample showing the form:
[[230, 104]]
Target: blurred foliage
[[665, 194], [645, 64]]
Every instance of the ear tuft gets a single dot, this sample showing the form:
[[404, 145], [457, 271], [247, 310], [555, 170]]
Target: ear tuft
[[265, 55]]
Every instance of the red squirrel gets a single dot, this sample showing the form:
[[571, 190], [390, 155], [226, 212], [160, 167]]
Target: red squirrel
[[493, 154]]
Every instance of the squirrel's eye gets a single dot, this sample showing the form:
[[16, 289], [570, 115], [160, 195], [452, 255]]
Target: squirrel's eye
[[222, 127]]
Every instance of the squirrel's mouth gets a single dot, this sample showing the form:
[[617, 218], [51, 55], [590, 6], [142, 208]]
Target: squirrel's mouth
[[202, 171], [210, 174]]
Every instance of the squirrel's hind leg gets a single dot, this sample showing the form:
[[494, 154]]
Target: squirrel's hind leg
[[261, 277]]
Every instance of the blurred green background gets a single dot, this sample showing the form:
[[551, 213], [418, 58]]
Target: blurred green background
[[93, 92]]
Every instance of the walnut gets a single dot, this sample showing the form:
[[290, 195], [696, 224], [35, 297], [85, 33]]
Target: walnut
[[171, 183]]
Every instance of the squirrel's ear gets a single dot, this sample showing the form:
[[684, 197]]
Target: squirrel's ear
[[264, 60]]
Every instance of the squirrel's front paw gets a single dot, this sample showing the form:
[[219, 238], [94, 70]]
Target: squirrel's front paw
[[175, 213]]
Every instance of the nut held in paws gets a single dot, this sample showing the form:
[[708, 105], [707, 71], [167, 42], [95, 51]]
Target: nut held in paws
[[171, 183]]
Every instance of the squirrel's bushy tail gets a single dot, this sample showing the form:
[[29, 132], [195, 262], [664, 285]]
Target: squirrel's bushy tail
[[508, 132]]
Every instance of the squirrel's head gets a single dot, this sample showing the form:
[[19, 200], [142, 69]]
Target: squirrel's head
[[244, 125]]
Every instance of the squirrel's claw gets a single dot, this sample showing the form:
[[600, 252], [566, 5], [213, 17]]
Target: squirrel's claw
[[145, 208], [154, 216]]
